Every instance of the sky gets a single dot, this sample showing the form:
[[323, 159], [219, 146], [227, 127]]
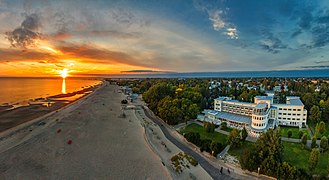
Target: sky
[[43, 38]]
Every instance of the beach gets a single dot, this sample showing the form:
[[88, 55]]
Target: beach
[[84, 140], [11, 115]]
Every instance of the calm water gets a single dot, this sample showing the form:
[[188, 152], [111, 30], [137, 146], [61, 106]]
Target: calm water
[[14, 90]]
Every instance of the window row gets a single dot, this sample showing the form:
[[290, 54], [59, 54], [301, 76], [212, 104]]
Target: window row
[[285, 109], [259, 124]]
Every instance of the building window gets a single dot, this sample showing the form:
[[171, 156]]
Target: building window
[[299, 110]]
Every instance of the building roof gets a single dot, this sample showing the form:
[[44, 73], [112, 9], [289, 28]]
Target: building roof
[[261, 106], [223, 98], [293, 100], [230, 116], [264, 97]]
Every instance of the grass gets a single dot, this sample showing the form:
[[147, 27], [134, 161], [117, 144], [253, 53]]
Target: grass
[[238, 150], [295, 130], [216, 136], [295, 154]]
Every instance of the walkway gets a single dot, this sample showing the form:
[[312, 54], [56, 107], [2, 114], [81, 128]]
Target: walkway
[[211, 170]]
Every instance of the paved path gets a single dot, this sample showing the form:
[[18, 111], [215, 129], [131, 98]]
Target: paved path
[[221, 154], [210, 168]]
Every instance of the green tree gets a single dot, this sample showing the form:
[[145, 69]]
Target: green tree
[[193, 137], [269, 152], [223, 125], [313, 159], [321, 127], [192, 111], [315, 114], [324, 143], [234, 138], [215, 147], [244, 134], [304, 139], [300, 134], [168, 109], [209, 127], [287, 171], [289, 133], [308, 100], [247, 160], [157, 92], [313, 144]]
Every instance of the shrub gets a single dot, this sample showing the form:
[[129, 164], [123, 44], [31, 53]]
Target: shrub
[[289, 133], [300, 134], [224, 125]]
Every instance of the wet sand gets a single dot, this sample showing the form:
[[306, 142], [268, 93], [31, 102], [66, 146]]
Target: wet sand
[[14, 117], [103, 145]]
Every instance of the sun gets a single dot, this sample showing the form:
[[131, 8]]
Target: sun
[[64, 73]]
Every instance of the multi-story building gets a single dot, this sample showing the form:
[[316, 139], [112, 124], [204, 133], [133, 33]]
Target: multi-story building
[[257, 117]]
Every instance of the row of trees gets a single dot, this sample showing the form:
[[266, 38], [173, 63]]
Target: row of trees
[[172, 103], [213, 147]]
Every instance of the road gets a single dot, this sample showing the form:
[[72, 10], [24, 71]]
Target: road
[[211, 170]]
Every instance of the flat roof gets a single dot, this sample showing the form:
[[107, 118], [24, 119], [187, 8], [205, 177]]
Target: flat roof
[[261, 106], [231, 117], [264, 97], [294, 101]]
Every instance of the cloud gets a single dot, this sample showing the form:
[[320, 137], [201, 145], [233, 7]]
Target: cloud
[[271, 43], [14, 55], [321, 62], [26, 35], [232, 33], [315, 67], [215, 18]]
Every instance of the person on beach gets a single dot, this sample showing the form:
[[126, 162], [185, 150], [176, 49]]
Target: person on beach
[[221, 170], [228, 170]]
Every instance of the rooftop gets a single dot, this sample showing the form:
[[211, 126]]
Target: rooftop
[[261, 106], [264, 97], [230, 116], [293, 100]]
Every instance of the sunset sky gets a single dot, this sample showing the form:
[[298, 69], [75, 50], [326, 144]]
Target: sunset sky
[[41, 38]]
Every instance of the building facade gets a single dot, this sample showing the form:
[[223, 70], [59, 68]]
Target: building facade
[[257, 117]]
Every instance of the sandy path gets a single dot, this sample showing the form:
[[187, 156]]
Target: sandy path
[[104, 145]]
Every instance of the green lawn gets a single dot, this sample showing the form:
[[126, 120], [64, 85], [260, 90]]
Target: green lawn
[[295, 154], [216, 136], [238, 151], [295, 130]]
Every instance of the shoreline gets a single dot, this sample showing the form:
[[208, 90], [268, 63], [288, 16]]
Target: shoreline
[[104, 144], [58, 105]]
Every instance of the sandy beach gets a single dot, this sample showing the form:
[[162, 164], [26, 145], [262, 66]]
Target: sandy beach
[[85, 140], [37, 108]]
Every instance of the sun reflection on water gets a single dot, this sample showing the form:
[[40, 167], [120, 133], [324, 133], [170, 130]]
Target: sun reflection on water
[[63, 86]]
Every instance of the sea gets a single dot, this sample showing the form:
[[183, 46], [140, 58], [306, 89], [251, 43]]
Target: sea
[[15, 90]]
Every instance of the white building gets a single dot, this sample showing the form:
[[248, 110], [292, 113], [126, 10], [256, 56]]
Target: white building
[[257, 117]]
